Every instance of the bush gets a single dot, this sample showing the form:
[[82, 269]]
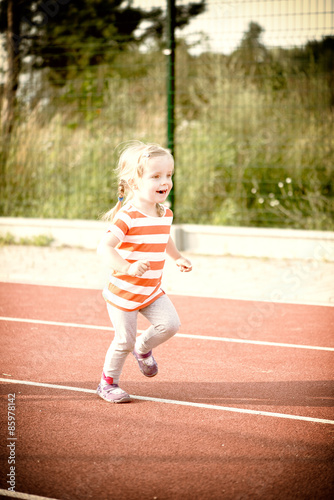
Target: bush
[[247, 153]]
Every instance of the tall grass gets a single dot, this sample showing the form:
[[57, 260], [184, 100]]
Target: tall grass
[[246, 154], [258, 158]]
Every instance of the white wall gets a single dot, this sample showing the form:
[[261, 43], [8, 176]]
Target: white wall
[[196, 239]]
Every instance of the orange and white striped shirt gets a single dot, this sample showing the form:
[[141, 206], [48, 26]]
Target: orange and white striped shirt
[[142, 237]]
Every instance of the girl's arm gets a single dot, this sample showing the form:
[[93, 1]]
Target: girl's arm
[[183, 263], [112, 259]]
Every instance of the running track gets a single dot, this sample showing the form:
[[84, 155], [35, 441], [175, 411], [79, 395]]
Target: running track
[[242, 407]]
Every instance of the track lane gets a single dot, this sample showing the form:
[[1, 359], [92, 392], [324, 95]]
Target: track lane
[[259, 378], [73, 445], [272, 322]]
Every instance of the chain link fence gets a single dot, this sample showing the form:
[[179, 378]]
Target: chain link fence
[[254, 134]]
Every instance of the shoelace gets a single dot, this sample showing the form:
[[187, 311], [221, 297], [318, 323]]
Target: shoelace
[[148, 361], [114, 390]]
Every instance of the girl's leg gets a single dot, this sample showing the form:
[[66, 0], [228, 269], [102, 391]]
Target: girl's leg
[[164, 321], [125, 324]]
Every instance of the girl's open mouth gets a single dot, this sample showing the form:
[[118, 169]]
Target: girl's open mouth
[[162, 191]]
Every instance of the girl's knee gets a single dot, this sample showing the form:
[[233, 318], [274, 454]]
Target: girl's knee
[[124, 346], [176, 326], [172, 327]]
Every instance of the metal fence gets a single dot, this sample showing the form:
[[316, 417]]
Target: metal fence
[[254, 135]]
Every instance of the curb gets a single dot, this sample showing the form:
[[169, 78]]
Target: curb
[[196, 239]]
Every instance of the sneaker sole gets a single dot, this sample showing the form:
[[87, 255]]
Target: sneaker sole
[[146, 375]]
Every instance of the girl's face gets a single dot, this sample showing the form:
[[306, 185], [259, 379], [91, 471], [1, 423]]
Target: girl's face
[[156, 182]]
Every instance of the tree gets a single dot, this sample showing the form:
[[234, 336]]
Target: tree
[[67, 35], [251, 53], [317, 57], [12, 14], [251, 45]]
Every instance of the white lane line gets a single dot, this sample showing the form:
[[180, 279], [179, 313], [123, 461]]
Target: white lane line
[[180, 403], [56, 323], [23, 496], [183, 335], [256, 342]]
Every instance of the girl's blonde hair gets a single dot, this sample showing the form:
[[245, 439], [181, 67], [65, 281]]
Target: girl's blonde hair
[[133, 159]]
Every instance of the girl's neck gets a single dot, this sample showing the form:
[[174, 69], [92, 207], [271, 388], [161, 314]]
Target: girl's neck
[[145, 207]]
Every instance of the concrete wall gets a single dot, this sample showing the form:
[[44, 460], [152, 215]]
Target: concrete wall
[[197, 239], [258, 242]]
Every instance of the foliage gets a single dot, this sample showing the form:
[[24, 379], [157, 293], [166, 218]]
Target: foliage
[[266, 153], [40, 240], [317, 57], [67, 36], [252, 148]]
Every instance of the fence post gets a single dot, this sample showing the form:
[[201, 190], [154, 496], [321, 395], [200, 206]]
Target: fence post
[[170, 52]]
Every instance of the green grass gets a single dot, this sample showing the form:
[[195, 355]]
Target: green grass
[[40, 240], [245, 154]]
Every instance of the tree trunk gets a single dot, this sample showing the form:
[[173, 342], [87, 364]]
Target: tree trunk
[[13, 66]]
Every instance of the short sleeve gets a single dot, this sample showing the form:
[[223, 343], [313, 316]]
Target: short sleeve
[[121, 226]]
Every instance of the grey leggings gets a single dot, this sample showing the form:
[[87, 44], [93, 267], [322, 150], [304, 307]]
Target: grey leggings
[[164, 324]]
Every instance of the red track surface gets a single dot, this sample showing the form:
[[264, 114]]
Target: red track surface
[[73, 445]]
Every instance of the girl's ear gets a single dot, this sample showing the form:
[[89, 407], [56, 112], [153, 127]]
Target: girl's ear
[[132, 184]]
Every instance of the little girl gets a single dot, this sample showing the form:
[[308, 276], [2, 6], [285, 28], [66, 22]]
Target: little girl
[[134, 248]]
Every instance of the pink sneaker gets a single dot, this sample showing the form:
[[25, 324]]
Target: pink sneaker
[[113, 394], [147, 364]]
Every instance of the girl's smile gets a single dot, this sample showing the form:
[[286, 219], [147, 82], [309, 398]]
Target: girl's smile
[[155, 183]]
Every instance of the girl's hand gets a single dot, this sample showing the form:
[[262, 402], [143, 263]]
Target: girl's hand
[[184, 265], [139, 268]]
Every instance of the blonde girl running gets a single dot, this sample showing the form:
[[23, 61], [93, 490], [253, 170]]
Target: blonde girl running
[[134, 248]]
